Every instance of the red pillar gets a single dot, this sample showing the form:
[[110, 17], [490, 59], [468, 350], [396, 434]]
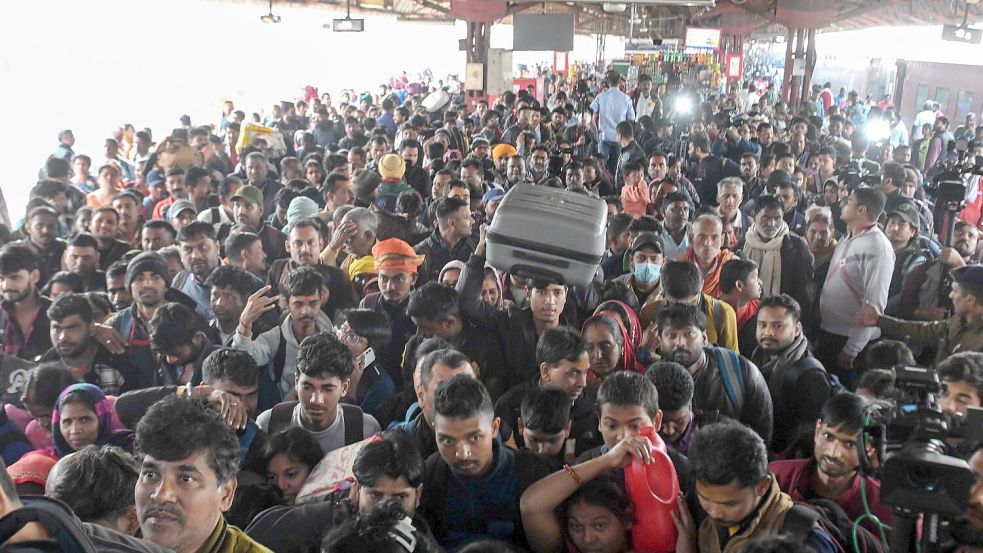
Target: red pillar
[[787, 75]]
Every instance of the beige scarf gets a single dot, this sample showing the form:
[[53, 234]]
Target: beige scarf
[[768, 256]]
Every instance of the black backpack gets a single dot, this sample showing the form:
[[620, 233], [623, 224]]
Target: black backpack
[[829, 516], [67, 535]]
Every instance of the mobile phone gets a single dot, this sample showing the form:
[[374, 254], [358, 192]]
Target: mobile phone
[[369, 356]]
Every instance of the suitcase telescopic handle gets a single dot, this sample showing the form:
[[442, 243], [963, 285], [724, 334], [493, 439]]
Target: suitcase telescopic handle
[[551, 261], [528, 271]]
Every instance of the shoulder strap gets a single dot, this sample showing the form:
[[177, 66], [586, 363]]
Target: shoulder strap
[[354, 429], [280, 358], [718, 319], [799, 522], [280, 416], [729, 366]]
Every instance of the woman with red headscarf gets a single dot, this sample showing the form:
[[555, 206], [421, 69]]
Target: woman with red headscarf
[[612, 343]]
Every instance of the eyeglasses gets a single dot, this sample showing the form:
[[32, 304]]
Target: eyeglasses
[[348, 336]]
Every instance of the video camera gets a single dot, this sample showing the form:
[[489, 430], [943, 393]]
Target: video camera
[[917, 476], [858, 172]]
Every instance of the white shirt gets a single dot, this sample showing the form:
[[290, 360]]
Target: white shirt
[[645, 106], [926, 117], [899, 135], [332, 437]]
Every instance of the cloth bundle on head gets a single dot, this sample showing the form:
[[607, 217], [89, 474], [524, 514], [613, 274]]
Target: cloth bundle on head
[[300, 208], [151, 262], [451, 265], [392, 166], [396, 255], [93, 398], [361, 266], [32, 468], [503, 150]]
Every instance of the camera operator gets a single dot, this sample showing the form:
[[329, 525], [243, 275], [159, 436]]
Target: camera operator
[[963, 331], [962, 388], [832, 472]]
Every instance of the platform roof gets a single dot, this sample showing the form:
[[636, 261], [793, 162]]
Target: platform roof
[[668, 17]]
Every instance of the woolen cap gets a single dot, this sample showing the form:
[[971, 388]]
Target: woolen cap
[[151, 262]]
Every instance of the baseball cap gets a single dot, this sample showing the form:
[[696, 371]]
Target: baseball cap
[[646, 239], [250, 194], [178, 206], [908, 212]]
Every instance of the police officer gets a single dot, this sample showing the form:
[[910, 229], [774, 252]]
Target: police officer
[[963, 331]]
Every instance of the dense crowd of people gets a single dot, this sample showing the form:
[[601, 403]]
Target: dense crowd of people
[[192, 324]]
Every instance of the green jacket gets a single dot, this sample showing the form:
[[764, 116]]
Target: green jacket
[[229, 539], [953, 335]]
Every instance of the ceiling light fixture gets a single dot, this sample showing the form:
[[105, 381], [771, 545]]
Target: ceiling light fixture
[[270, 17]]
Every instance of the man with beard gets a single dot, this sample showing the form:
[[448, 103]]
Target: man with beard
[[119, 295], [356, 234], [75, 346], [247, 208], [785, 264], [277, 348], [148, 280], [41, 227], [179, 346], [742, 500], [925, 293], [797, 381], [200, 256], [539, 163], [397, 265], [304, 244], [717, 372], [189, 460], [515, 172], [23, 311], [230, 288], [451, 240], [831, 472]]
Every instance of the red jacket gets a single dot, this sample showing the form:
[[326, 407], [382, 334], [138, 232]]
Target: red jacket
[[794, 477]]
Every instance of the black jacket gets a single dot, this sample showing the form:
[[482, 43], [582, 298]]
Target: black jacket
[[483, 349], [437, 254], [583, 417], [513, 327], [710, 393], [796, 402]]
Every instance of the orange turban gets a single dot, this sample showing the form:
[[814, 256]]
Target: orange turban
[[395, 255], [502, 150]]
